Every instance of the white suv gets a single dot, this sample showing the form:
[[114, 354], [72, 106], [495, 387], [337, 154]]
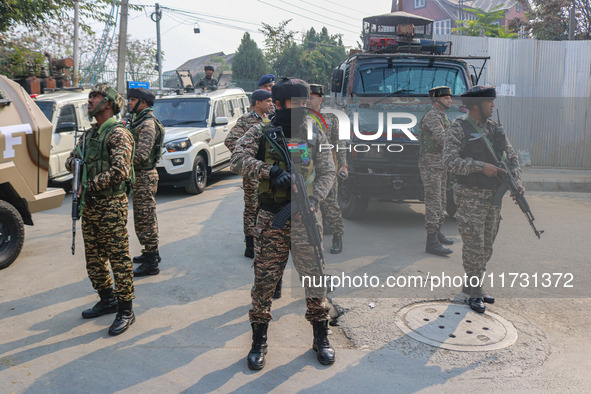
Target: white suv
[[67, 110], [196, 126]]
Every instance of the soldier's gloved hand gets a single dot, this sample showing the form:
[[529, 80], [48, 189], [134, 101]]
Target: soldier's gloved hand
[[313, 203], [279, 177]]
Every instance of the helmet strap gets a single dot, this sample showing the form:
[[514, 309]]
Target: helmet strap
[[99, 106]]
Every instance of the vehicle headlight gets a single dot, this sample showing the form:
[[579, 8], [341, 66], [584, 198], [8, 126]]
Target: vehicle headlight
[[178, 145]]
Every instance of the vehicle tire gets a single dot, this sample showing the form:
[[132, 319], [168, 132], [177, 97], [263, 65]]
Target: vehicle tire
[[198, 179], [451, 208], [12, 234], [352, 207]]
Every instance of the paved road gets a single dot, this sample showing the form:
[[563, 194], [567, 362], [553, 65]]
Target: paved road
[[192, 332]]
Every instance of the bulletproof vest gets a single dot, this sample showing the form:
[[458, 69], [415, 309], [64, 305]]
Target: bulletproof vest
[[96, 158], [300, 153], [476, 151], [426, 142], [156, 152]]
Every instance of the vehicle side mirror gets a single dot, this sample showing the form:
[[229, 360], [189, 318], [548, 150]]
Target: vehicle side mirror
[[65, 127], [220, 121], [473, 78], [337, 81]]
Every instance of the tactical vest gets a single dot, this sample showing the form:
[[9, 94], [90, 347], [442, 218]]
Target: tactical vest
[[476, 151], [156, 152], [96, 158], [426, 142], [299, 150]]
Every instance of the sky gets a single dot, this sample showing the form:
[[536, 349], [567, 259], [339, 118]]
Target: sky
[[222, 23]]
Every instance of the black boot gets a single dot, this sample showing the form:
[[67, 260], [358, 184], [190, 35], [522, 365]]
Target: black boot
[[149, 266], [325, 352], [434, 247], [144, 257], [256, 356], [107, 304], [337, 244], [123, 320], [277, 293], [477, 304], [249, 251], [443, 239]]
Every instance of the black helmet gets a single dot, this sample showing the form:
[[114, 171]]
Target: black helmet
[[288, 88], [477, 94], [142, 94]]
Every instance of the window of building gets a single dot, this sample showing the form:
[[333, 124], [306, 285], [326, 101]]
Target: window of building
[[419, 3], [518, 7], [442, 26]]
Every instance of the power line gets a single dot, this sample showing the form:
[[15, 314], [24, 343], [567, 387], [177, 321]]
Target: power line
[[329, 10], [349, 8]]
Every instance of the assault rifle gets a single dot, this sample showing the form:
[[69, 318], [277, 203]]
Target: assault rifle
[[77, 170], [508, 183], [300, 202]]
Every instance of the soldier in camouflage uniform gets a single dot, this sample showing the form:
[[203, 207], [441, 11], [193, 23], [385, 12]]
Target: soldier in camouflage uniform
[[107, 150], [208, 82], [476, 173], [261, 103], [433, 128], [331, 211], [148, 134], [256, 157]]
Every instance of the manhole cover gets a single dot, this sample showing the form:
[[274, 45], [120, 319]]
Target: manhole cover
[[455, 326]]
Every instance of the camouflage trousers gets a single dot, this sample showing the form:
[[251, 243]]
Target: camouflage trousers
[[434, 183], [331, 211], [478, 223], [251, 205], [144, 209], [271, 253], [106, 241]]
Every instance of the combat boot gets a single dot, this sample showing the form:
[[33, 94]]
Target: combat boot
[[144, 257], [256, 356], [249, 251], [337, 244], [123, 320], [277, 293], [435, 247], [325, 352], [149, 266], [443, 239], [107, 304]]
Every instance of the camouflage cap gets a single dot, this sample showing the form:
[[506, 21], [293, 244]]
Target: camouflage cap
[[110, 94], [440, 91], [317, 89], [288, 88]]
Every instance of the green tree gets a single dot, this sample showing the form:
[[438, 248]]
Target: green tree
[[249, 63], [277, 39], [484, 25], [549, 19]]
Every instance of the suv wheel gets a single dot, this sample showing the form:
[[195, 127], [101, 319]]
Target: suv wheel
[[353, 207], [198, 178], [12, 234]]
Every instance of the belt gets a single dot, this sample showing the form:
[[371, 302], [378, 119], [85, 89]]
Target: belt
[[272, 208]]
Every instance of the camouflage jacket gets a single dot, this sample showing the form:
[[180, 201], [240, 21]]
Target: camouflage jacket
[[120, 147], [208, 83], [244, 161], [333, 139], [145, 133], [433, 128], [243, 123], [456, 141]]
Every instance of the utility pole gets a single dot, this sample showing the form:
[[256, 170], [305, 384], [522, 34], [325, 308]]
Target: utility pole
[[122, 48], [156, 16], [572, 22], [76, 41]]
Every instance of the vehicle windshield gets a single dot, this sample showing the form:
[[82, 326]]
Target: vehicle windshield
[[182, 111], [416, 79], [46, 107]]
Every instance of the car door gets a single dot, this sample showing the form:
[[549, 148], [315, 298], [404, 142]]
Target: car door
[[64, 131], [220, 131]]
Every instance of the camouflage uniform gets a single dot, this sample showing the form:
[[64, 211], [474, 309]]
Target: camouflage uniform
[[249, 185], [478, 220], [208, 83], [330, 206], [433, 128], [148, 136], [105, 206], [272, 245]]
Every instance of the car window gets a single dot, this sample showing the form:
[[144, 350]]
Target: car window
[[46, 107], [182, 111], [220, 108], [67, 115]]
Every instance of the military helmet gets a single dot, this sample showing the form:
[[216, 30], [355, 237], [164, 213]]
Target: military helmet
[[110, 94], [317, 89], [477, 94], [210, 68], [142, 94], [288, 88], [440, 91]]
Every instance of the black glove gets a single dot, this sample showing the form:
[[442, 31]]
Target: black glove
[[279, 177], [313, 202]]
